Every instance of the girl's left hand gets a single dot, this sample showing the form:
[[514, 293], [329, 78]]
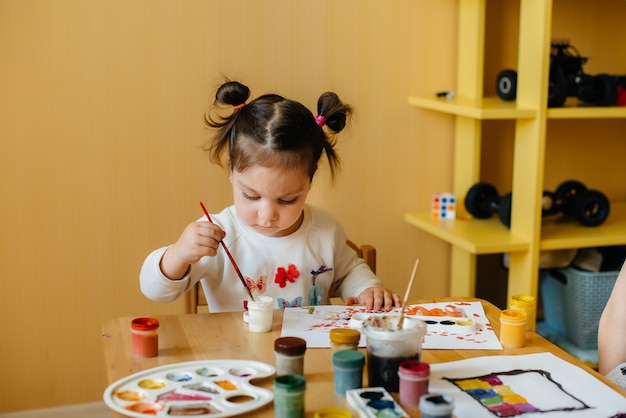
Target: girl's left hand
[[376, 298]]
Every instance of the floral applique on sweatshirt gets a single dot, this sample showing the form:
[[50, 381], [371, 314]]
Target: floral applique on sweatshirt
[[286, 275]]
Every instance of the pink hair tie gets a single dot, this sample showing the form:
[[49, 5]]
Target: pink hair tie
[[320, 120]]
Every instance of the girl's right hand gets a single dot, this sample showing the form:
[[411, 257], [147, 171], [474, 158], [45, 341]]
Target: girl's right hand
[[198, 239]]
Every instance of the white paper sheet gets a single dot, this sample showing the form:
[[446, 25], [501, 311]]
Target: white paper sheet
[[314, 324], [552, 386]]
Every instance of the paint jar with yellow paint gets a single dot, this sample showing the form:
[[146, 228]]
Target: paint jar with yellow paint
[[344, 339], [513, 328], [525, 303]]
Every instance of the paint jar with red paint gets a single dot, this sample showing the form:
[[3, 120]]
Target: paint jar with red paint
[[145, 332], [414, 376]]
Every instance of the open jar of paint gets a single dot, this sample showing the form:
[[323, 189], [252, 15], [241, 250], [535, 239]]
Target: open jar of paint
[[513, 328], [145, 332], [388, 345]]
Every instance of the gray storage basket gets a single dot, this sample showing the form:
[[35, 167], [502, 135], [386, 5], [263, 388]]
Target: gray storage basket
[[573, 302]]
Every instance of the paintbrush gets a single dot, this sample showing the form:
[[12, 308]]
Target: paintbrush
[[232, 260], [408, 290]]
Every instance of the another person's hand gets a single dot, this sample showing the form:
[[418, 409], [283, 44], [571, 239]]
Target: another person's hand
[[376, 298], [197, 240]]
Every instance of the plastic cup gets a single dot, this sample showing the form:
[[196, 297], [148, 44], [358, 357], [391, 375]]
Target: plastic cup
[[260, 314], [388, 346]]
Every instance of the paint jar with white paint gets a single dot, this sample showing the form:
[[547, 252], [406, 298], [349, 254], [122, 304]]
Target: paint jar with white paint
[[260, 314], [289, 353], [436, 405]]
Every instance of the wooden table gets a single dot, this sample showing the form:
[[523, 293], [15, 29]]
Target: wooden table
[[215, 336]]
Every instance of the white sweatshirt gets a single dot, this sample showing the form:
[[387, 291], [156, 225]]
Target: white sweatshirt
[[301, 269]]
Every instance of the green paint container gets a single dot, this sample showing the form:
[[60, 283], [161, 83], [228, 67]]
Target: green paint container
[[289, 396]]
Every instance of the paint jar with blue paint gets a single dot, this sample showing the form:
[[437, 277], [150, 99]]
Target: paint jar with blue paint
[[436, 405], [348, 369], [289, 396]]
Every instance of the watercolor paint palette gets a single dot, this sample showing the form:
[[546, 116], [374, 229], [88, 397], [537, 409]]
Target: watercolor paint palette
[[205, 388], [374, 402]]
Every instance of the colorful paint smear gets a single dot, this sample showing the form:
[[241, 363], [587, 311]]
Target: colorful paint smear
[[151, 384], [226, 384], [502, 400]]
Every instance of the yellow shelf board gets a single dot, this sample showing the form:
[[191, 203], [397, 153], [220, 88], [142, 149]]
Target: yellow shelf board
[[476, 236], [496, 108], [489, 236], [561, 233], [481, 108], [587, 112]]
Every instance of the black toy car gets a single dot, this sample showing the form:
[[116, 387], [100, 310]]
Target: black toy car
[[572, 198], [567, 79]]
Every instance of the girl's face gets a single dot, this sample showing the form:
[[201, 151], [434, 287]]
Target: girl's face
[[270, 199]]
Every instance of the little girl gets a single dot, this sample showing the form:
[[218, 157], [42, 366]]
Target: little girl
[[295, 253]]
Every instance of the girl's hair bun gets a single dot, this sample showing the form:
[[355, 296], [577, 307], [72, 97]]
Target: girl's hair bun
[[232, 93]]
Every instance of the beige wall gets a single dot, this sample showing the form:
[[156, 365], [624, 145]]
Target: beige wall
[[101, 109], [101, 105]]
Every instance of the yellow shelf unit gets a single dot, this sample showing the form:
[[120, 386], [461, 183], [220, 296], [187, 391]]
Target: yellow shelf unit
[[529, 233]]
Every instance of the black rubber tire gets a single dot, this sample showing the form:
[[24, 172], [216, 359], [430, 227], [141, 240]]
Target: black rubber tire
[[605, 90], [504, 210], [557, 89], [567, 193], [592, 208], [481, 200], [506, 85]]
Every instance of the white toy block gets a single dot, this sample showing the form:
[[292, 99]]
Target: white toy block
[[443, 206]]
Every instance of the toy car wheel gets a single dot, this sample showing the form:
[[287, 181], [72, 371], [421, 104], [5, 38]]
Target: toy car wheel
[[605, 90], [504, 209], [567, 193], [557, 89], [550, 204], [592, 208], [506, 85], [481, 200]]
